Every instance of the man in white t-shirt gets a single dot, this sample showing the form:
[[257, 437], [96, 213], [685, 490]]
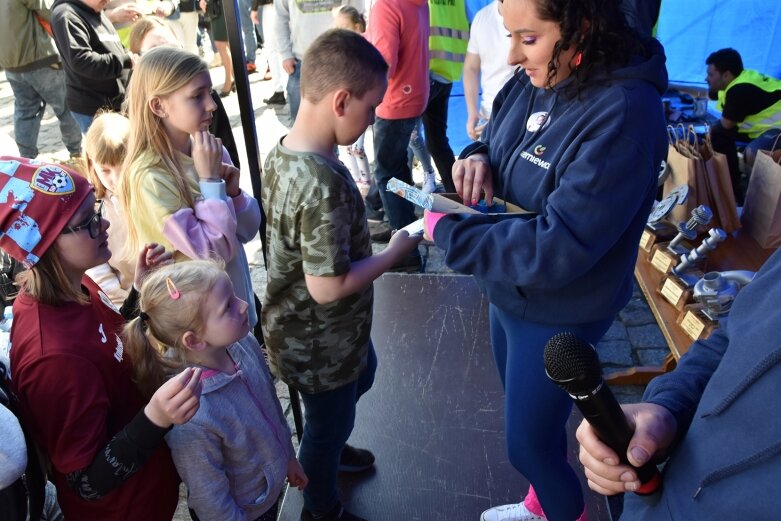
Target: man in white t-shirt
[[485, 66]]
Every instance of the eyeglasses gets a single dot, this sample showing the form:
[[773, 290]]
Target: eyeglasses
[[93, 224]]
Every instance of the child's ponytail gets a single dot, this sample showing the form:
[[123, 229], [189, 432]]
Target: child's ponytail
[[149, 365]]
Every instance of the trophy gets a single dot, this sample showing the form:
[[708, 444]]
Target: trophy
[[666, 255], [678, 288], [657, 228]]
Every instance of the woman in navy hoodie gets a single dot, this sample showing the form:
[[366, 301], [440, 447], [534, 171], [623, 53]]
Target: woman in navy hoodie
[[576, 136]]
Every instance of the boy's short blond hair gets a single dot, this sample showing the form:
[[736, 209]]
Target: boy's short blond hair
[[340, 59]]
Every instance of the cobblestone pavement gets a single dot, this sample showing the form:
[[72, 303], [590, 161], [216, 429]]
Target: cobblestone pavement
[[633, 339]]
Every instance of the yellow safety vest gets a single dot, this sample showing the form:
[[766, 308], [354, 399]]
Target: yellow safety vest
[[756, 124], [448, 38]]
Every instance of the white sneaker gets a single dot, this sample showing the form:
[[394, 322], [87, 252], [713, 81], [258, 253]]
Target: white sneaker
[[515, 512], [429, 182]]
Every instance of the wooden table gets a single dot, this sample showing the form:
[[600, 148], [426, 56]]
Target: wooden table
[[739, 252], [435, 416]]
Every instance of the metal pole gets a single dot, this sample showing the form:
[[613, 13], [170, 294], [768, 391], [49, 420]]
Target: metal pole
[[233, 23]]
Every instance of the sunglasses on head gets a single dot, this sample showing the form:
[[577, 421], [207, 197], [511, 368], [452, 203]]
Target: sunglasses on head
[[93, 224]]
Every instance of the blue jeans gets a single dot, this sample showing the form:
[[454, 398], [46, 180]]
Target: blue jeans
[[32, 91], [248, 31], [84, 121], [536, 410], [329, 418], [765, 141], [391, 137], [294, 91], [418, 147]]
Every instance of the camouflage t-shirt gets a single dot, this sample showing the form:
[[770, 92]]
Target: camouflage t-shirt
[[316, 225]]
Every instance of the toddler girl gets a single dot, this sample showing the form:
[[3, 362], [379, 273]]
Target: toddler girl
[[235, 453], [104, 150], [178, 186]]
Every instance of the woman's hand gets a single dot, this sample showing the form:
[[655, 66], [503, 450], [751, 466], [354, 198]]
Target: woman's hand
[[177, 400], [151, 256], [207, 155], [230, 174], [296, 475], [471, 176]]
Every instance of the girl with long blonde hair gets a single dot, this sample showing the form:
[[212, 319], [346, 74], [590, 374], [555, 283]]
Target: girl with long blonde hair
[[178, 186]]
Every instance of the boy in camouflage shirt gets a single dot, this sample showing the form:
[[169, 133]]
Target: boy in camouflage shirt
[[317, 308]]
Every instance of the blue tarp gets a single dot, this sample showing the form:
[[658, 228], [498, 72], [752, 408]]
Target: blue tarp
[[689, 30]]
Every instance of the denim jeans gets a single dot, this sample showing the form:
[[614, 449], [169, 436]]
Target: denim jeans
[[248, 31], [329, 418], [294, 91], [435, 125], [32, 91], [391, 137], [418, 147], [84, 120]]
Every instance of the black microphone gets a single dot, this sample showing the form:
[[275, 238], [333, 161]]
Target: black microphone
[[573, 365]]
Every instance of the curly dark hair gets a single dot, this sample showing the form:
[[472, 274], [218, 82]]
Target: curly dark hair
[[606, 43]]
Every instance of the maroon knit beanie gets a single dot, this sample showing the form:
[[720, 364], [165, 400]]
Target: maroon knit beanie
[[37, 200]]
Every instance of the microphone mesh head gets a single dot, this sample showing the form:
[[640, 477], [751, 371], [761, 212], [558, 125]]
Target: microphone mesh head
[[572, 364]]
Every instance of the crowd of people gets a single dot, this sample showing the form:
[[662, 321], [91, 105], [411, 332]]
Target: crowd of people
[[136, 358]]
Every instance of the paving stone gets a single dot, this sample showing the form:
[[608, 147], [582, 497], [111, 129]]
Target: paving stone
[[617, 331], [615, 353], [646, 336], [637, 313], [652, 356]]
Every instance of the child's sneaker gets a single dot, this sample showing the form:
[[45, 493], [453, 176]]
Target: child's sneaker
[[354, 459], [515, 512], [430, 182], [338, 513]]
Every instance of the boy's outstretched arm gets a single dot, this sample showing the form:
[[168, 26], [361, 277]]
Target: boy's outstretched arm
[[325, 290]]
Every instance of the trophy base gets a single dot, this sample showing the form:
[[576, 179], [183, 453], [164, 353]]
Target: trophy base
[[675, 291], [662, 259], [655, 233], [695, 323]]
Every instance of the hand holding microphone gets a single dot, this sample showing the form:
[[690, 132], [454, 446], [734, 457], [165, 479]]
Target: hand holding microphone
[[606, 435]]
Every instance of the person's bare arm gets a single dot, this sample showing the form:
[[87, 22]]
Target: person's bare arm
[[471, 82], [325, 290]]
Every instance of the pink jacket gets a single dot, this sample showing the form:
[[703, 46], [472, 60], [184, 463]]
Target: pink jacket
[[400, 30]]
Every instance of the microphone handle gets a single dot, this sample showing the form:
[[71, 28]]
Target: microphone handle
[[604, 414]]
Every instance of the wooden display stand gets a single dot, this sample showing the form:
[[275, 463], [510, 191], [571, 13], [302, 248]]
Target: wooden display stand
[[739, 252]]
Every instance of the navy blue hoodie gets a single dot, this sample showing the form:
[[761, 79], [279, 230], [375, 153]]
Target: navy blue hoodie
[[590, 174], [726, 461]]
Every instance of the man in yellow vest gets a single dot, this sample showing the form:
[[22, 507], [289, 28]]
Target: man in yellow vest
[[750, 105], [447, 50]]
